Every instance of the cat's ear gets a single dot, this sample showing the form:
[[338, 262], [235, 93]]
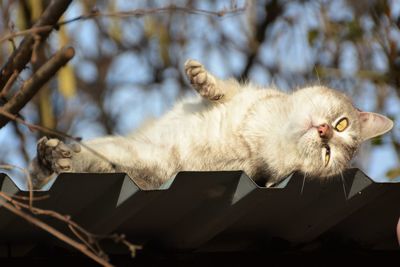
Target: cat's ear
[[373, 124]]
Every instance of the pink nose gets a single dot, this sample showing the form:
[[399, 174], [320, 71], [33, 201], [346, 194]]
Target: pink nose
[[324, 131]]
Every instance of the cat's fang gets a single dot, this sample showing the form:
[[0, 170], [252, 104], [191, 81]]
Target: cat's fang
[[327, 155]]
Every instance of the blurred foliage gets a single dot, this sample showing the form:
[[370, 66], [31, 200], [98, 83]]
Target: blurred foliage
[[393, 173], [131, 67], [66, 76]]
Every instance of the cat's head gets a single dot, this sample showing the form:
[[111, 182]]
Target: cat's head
[[327, 129]]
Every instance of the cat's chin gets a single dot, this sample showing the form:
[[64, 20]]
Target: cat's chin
[[318, 169], [311, 155], [309, 141]]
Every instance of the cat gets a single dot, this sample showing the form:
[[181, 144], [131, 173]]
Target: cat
[[228, 126]]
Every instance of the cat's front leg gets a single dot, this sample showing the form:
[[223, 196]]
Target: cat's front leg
[[104, 155], [207, 85]]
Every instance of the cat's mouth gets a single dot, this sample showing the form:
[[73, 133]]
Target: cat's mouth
[[327, 154]]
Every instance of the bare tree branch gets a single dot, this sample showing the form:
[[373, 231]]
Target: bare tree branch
[[79, 246], [38, 79], [90, 245], [22, 55]]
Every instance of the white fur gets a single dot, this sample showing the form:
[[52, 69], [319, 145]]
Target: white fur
[[260, 131]]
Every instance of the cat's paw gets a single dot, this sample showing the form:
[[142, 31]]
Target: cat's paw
[[55, 156], [201, 80]]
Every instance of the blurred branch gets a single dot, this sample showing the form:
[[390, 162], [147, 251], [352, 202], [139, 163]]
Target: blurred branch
[[20, 57], [34, 127], [174, 8], [38, 79], [273, 9], [46, 28], [362, 74], [96, 90], [396, 145], [22, 139]]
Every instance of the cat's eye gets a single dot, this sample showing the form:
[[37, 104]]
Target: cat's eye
[[327, 154], [342, 125]]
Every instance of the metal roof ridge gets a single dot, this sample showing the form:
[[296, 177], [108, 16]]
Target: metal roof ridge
[[7, 183]]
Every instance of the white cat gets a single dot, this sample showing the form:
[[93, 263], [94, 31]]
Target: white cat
[[267, 133]]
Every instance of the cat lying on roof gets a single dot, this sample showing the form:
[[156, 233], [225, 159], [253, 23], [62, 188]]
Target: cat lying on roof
[[232, 126]]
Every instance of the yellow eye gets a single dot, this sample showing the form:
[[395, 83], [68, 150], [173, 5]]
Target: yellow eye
[[342, 125], [327, 155]]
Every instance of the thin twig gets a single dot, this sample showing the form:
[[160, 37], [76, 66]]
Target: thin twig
[[9, 84], [81, 247], [20, 57], [28, 178], [89, 242], [57, 133], [89, 239], [37, 211], [36, 44], [34, 83], [132, 247], [22, 139], [35, 198], [125, 14], [33, 30], [362, 74], [168, 8]]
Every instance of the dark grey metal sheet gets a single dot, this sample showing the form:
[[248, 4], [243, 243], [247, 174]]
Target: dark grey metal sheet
[[220, 211], [70, 194]]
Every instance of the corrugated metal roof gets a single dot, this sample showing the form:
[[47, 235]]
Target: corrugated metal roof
[[219, 211]]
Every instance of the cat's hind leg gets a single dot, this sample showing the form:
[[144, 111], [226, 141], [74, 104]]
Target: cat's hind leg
[[53, 157], [112, 154], [207, 85]]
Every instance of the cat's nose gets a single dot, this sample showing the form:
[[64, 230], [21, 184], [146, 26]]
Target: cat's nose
[[324, 131]]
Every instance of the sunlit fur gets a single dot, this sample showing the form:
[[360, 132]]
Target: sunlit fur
[[263, 131], [323, 105]]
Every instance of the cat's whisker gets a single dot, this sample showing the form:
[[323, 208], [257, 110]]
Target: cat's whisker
[[344, 185], [316, 72], [302, 186]]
